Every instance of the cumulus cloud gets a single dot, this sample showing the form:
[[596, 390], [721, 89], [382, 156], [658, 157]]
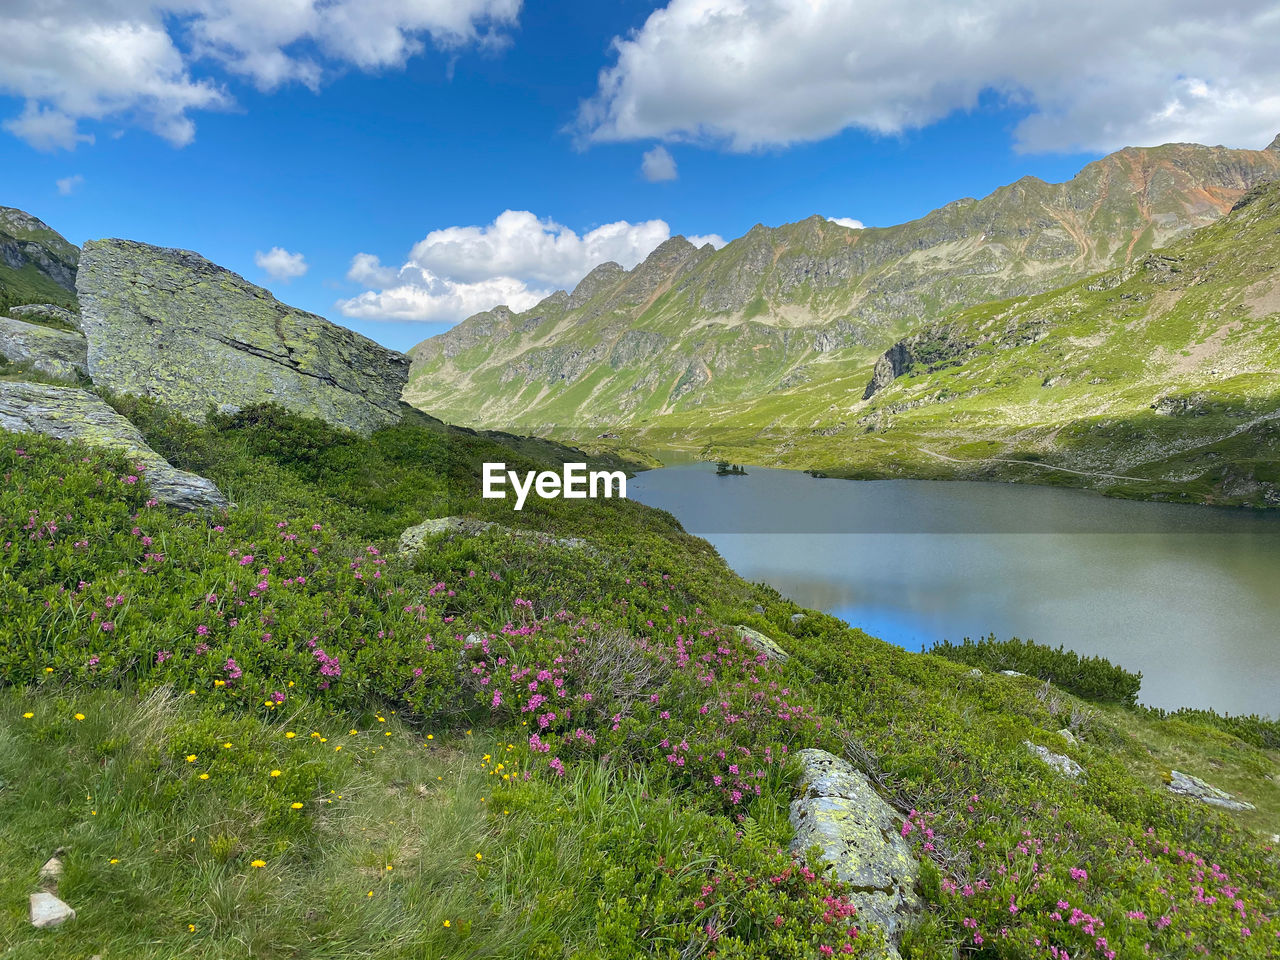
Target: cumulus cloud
[[518, 244], [701, 239], [418, 294], [658, 164], [132, 60], [68, 185], [849, 222], [516, 260], [1090, 76], [280, 264]]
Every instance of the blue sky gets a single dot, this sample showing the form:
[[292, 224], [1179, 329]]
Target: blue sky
[[368, 153]]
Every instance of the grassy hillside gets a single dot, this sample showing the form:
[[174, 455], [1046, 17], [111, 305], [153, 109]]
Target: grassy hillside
[[269, 734], [793, 308]]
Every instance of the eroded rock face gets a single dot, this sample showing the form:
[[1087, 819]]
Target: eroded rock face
[[766, 645], [1185, 785], [171, 325], [57, 353], [839, 811], [68, 413]]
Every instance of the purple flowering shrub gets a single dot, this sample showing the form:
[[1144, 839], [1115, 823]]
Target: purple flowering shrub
[[108, 587]]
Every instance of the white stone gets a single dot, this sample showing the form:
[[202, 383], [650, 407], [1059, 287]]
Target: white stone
[[48, 911]]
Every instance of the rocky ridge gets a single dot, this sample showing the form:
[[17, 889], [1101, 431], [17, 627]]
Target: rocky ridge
[[695, 327]]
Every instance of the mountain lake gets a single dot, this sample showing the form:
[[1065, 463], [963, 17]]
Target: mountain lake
[[1188, 595]]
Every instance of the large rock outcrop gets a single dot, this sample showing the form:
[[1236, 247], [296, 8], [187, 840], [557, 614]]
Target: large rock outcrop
[[839, 811], [57, 353], [171, 325], [68, 413]]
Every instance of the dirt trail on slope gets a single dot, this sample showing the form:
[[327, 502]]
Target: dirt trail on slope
[[1033, 463]]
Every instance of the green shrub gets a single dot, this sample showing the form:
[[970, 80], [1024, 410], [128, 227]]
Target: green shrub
[[1090, 678]]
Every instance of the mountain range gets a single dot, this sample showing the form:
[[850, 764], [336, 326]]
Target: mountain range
[[768, 348]]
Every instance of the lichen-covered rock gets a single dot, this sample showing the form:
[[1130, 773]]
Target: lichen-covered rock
[[57, 353], [766, 645], [68, 413], [44, 313], [414, 539], [839, 811], [1059, 762], [1185, 785], [171, 325]]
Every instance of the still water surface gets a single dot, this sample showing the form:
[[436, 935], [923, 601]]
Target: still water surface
[[1188, 595]]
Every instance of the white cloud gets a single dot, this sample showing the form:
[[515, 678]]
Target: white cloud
[[516, 260], [700, 239], [1092, 76], [518, 244], [132, 60], [367, 270], [68, 185], [658, 164], [421, 295], [280, 264], [849, 222]]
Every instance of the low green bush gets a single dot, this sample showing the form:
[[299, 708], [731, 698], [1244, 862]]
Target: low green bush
[[1090, 678]]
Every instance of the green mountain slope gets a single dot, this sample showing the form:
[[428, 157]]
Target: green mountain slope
[[37, 264], [1159, 379], [778, 308]]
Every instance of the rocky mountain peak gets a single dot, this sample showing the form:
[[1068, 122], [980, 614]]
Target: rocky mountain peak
[[599, 279], [1275, 144]]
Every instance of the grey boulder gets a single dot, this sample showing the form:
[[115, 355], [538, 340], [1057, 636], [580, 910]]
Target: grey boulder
[[414, 539], [1185, 785], [1059, 762], [761, 643], [45, 312]]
